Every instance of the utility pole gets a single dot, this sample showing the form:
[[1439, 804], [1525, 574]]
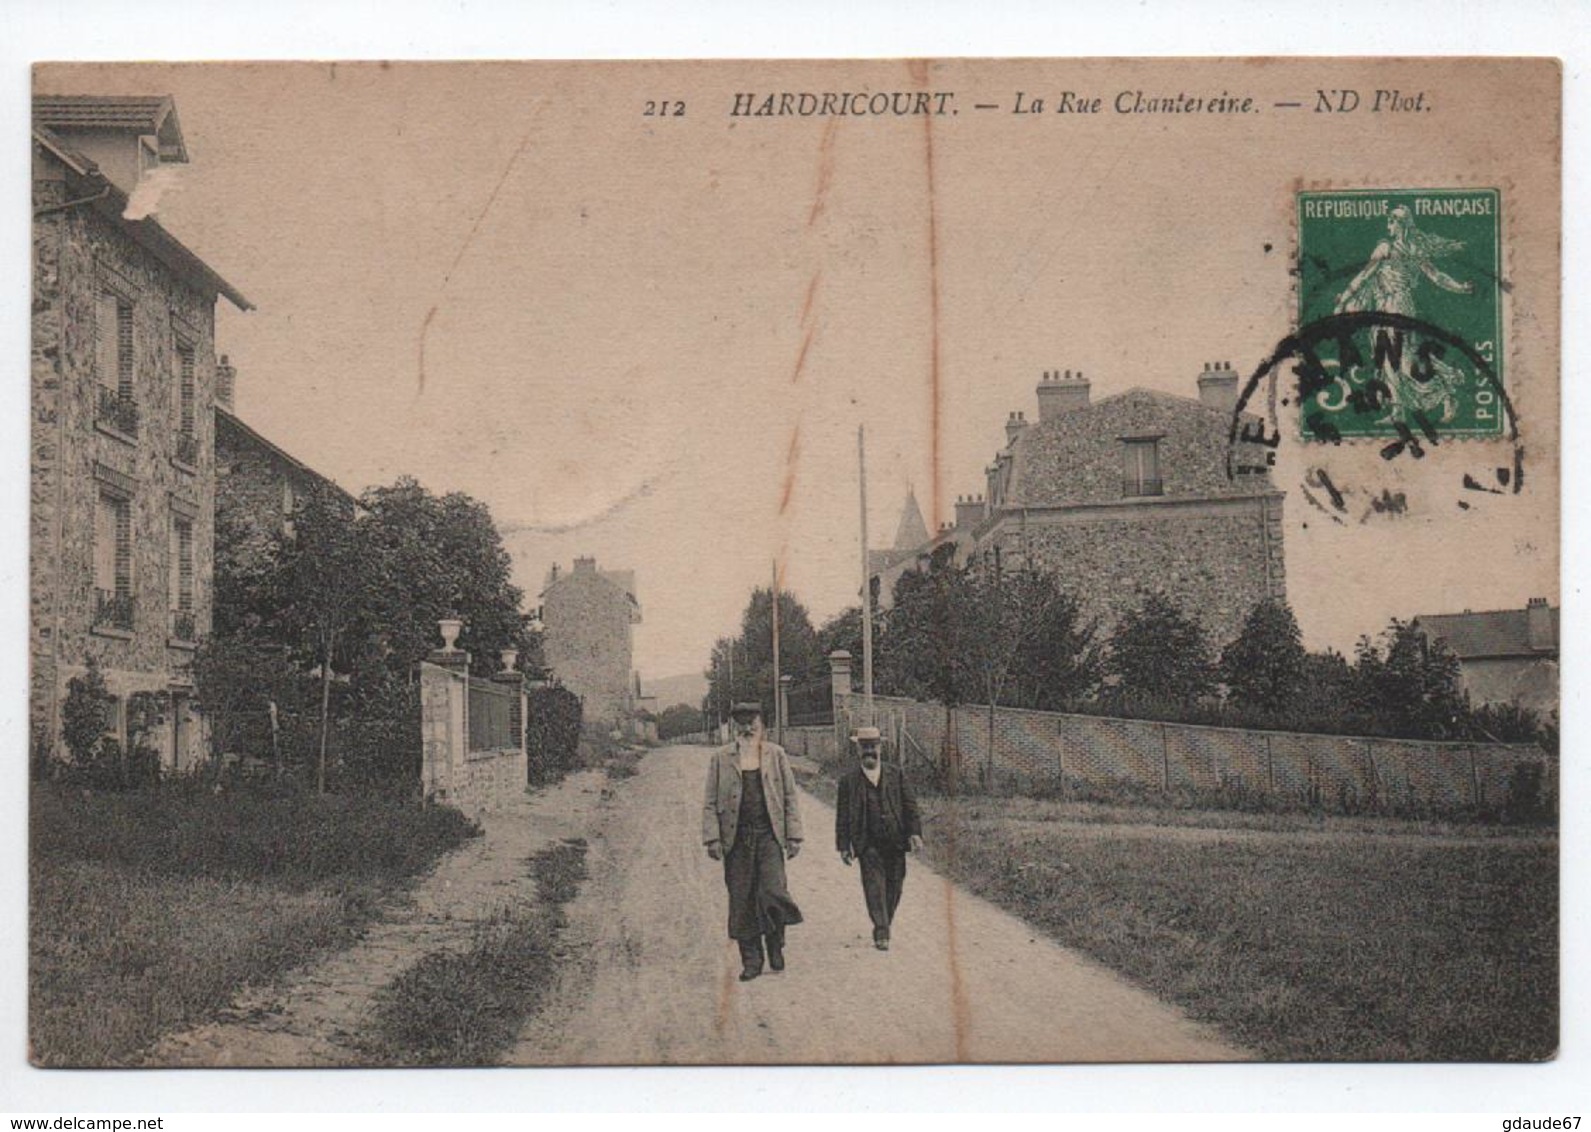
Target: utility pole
[[778, 716], [867, 586]]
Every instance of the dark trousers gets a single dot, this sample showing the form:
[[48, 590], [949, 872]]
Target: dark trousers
[[759, 899], [883, 874]]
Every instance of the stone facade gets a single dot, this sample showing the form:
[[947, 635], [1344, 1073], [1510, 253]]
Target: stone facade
[[122, 464], [474, 781], [1122, 497], [589, 618], [1070, 497], [258, 486]]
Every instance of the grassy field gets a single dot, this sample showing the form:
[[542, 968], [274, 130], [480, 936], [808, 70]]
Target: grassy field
[[465, 1008], [1313, 941], [149, 910]]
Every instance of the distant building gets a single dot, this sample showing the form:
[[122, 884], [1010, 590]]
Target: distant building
[[124, 379], [589, 618], [1505, 655], [914, 547], [1123, 496]]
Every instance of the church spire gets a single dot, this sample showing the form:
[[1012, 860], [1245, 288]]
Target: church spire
[[912, 532]]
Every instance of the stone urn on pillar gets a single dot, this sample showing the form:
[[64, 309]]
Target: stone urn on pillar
[[509, 657], [450, 628]]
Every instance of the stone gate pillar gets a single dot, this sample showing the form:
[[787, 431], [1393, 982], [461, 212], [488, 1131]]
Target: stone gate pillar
[[444, 718]]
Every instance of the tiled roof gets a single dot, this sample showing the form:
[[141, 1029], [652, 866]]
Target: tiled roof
[[146, 113], [112, 201], [230, 426], [1494, 633]]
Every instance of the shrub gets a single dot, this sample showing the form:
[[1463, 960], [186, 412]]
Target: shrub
[[98, 759], [552, 733]]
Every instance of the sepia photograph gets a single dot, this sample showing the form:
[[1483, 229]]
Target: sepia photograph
[[764, 562]]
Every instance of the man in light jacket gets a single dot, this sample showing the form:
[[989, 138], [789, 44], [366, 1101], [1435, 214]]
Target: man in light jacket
[[876, 822], [751, 820]]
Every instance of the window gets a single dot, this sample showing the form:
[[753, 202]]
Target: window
[[187, 440], [114, 328], [182, 623], [1141, 467], [113, 563]]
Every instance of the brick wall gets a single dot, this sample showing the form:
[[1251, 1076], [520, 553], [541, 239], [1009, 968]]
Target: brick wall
[[77, 255], [1034, 749]]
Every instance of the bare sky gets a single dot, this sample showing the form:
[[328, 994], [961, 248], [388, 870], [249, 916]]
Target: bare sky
[[652, 339]]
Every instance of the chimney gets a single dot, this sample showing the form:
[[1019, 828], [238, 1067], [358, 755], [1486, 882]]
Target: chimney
[[1538, 626], [1015, 424], [585, 566], [1060, 393], [969, 511], [226, 381], [1218, 386]]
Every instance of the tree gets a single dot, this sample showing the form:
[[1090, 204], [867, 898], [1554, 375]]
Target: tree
[[1158, 653], [741, 668], [1327, 696], [915, 654], [1058, 663], [680, 719], [1410, 684], [442, 557], [842, 631], [247, 559], [1264, 666], [241, 679], [330, 577]]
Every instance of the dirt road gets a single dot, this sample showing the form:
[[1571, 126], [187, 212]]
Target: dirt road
[[963, 981]]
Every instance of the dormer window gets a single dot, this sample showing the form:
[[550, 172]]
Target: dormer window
[[1140, 473]]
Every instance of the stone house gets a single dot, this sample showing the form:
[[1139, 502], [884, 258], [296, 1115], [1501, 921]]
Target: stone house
[[259, 486], [1128, 495], [1504, 655], [588, 619], [123, 437]]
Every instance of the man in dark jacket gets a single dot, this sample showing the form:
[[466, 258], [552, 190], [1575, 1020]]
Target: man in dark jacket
[[876, 822]]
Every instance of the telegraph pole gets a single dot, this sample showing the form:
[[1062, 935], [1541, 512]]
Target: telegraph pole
[[867, 586], [778, 715]]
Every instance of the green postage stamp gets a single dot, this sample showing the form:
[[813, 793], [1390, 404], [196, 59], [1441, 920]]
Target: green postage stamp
[[1401, 291]]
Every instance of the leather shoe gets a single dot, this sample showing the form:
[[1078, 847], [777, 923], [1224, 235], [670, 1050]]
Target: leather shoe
[[750, 973], [882, 943], [775, 959]]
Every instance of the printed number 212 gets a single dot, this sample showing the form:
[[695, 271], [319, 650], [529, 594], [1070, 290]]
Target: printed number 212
[[663, 109]]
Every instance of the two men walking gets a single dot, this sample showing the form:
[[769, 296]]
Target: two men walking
[[751, 821]]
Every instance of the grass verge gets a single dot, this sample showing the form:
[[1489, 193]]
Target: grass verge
[[1299, 947], [148, 911], [466, 1008]]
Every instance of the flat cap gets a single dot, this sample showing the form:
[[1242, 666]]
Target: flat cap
[[746, 707]]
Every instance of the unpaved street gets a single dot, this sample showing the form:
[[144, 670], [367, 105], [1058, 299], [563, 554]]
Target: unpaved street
[[963, 981]]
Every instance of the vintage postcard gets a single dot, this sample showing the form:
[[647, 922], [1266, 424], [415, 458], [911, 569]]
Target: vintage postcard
[[767, 562]]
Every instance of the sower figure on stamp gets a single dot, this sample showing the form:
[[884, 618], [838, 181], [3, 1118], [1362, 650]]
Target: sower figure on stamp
[[876, 822], [751, 821]]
